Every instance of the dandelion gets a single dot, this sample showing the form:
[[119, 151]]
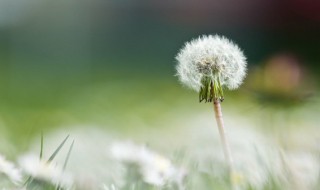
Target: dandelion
[[46, 173], [42, 170], [207, 65], [154, 168], [8, 169], [111, 187]]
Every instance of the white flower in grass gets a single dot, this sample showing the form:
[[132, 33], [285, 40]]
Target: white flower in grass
[[7, 168], [210, 63], [46, 171], [110, 187], [154, 168]]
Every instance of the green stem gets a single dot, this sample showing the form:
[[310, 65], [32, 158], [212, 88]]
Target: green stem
[[223, 138]]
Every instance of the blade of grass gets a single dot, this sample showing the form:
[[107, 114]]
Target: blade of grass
[[58, 149], [41, 146], [66, 162], [68, 156]]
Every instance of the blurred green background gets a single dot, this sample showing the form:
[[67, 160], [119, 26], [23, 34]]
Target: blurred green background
[[111, 63]]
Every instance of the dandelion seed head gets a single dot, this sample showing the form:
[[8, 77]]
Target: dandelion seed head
[[110, 187], [214, 57], [154, 168], [46, 171], [7, 168]]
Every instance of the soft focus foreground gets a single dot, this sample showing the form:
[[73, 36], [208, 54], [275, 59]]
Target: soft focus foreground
[[103, 73], [169, 141]]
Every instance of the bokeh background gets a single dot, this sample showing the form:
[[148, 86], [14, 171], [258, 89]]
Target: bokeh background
[[110, 65]]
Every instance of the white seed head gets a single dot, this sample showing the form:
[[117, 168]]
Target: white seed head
[[154, 168], [46, 171], [214, 57], [7, 168]]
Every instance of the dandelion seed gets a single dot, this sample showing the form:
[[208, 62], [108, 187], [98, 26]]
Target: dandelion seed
[[8, 169]]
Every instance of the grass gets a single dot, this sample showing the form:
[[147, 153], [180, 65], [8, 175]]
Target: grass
[[151, 109]]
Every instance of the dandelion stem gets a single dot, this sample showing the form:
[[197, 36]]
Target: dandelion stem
[[223, 134]]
